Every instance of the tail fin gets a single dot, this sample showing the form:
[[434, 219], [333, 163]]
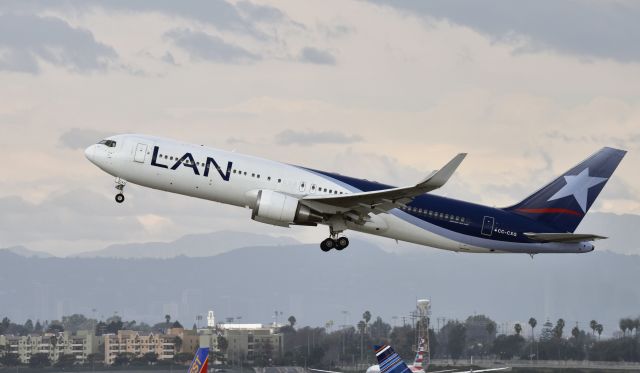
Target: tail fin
[[563, 203], [422, 358], [389, 361], [200, 361]]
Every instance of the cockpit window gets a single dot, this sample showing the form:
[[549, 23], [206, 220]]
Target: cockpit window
[[108, 143]]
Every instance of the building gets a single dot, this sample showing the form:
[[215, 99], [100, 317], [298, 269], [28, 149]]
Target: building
[[188, 342], [81, 345], [251, 343], [137, 344], [208, 338]]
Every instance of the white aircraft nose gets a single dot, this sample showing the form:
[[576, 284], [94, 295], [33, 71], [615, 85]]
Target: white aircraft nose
[[89, 153]]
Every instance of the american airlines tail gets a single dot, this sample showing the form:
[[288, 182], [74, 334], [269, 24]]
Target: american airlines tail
[[389, 361], [563, 203], [200, 361]]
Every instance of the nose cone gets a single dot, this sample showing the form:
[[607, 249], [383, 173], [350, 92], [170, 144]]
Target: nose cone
[[90, 153]]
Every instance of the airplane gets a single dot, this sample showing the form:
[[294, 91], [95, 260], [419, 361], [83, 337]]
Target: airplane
[[390, 362], [419, 364], [285, 194], [200, 361]]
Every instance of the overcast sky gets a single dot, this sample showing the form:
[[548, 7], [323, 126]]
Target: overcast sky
[[382, 90]]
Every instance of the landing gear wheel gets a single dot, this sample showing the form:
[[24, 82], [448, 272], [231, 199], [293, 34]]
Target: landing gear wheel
[[341, 243], [327, 244], [120, 183]]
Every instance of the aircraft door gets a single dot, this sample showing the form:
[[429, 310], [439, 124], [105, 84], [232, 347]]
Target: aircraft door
[[141, 153], [487, 225]]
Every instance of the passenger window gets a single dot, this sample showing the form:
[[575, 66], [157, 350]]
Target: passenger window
[[279, 180], [258, 176], [245, 173], [253, 175], [268, 178]]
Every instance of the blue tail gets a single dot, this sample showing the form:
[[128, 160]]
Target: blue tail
[[563, 203], [389, 361], [200, 361]]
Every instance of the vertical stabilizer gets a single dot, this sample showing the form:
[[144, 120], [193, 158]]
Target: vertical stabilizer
[[389, 361], [563, 203], [200, 361]]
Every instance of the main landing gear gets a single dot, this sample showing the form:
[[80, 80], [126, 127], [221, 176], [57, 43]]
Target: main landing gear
[[334, 243], [120, 183]]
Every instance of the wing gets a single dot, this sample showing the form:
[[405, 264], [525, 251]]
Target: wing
[[383, 200], [563, 237]]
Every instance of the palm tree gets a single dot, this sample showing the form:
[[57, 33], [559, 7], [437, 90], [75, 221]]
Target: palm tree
[[636, 325], [623, 326], [362, 326], [167, 318], [517, 328], [367, 317], [599, 329], [592, 325], [292, 320], [532, 322]]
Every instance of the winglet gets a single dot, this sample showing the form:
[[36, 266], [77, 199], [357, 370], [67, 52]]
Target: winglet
[[438, 178]]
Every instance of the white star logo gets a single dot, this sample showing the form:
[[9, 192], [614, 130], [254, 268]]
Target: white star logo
[[578, 187]]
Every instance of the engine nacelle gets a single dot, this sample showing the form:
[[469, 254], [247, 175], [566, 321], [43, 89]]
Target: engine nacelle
[[280, 209]]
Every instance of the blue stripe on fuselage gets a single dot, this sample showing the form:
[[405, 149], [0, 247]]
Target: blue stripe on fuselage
[[505, 222]]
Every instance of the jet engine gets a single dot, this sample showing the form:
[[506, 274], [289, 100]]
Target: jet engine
[[280, 209]]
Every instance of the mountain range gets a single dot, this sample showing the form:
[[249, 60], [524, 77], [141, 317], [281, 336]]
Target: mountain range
[[299, 279]]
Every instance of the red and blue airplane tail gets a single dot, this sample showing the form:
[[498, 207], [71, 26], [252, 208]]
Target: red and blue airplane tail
[[563, 203], [200, 361], [389, 361]]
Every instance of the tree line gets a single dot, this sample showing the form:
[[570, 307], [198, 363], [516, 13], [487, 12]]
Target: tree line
[[477, 337], [331, 345]]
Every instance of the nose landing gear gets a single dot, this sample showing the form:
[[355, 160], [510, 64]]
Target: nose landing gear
[[120, 183]]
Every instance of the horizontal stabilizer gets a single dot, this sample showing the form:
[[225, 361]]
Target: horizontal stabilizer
[[563, 237]]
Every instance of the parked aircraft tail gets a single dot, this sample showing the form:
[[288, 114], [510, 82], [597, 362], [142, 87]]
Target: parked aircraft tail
[[200, 361], [563, 203], [389, 361]]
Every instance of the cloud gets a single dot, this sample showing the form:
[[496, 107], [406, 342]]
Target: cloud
[[202, 46], [168, 58], [291, 137], [240, 17], [73, 216], [601, 29], [78, 138], [317, 56], [26, 40]]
